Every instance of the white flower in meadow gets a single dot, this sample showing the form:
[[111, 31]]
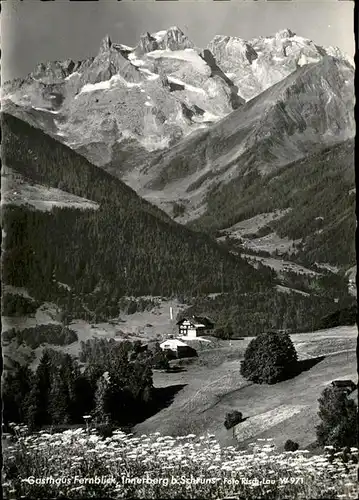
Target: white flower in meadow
[[77, 488]]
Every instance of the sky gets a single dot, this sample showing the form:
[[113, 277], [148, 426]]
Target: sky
[[35, 31]]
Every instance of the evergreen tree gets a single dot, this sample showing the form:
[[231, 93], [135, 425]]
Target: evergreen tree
[[15, 389], [339, 419], [59, 401], [102, 403], [37, 403]]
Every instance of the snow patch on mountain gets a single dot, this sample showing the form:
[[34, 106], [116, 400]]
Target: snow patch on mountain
[[186, 85], [107, 84], [124, 47], [188, 55], [47, 110], [135, 61], [206, 117], [152, 142], [149, 75], [72, 75], [159, 35]]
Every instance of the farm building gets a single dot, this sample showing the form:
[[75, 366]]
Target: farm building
[[179, 348], [195, 326], [346, 385]]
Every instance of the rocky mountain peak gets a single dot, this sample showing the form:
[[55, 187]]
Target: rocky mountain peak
[[233, 47], [53, 71], [284, 33], [147, 43], [171, 39], [106, 44], [175, 39]]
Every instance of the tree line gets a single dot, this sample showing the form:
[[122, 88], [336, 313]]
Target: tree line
[[111, 381], [249, 314]]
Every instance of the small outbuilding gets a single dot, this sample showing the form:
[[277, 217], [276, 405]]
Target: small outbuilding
[[346, 385], [181, 349]]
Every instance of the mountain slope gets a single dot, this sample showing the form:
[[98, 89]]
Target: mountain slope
[[257, 64], [289, 148], [315, 200], [311, 108], [125, 247], [126, 103], [149, 96]]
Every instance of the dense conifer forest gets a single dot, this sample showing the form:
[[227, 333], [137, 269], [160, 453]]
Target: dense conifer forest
[[126, 248], [318, 189], [112, 382]]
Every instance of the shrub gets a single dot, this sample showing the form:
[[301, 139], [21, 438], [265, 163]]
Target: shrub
[[339, 419], [105, 430], [269, 358], [159, 358], [291, 445], [233, 418], [224, 333]]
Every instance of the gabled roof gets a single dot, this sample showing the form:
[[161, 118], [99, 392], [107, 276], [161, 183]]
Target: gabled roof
[[204, 320], [198, 321], [173, 343], [343, 383]]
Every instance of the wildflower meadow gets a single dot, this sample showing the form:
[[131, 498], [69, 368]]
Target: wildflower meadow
[[81, 464]]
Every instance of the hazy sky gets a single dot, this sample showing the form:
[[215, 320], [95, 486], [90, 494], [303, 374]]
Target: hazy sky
[[34, 31]]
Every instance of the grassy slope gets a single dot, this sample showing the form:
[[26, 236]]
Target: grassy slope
[[146, 326], [211, 391], [19, 191]]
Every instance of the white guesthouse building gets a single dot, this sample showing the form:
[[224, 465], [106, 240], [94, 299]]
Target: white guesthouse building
[[194, 327]]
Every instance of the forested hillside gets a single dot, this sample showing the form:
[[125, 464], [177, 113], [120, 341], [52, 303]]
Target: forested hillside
[[86, 260], [121, 249], [44, 160], [319, 190]]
